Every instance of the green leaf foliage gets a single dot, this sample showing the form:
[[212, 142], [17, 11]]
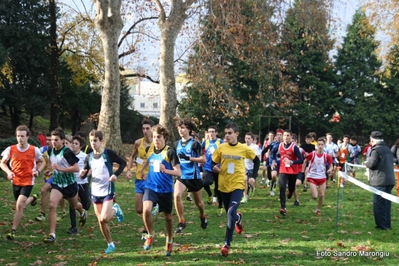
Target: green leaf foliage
[[304, 47], [25, 39], [363, 97]]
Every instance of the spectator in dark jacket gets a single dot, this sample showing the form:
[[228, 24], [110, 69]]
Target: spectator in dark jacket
[[382, 178]]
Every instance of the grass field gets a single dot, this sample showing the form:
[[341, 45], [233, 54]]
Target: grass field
[[301, 238]]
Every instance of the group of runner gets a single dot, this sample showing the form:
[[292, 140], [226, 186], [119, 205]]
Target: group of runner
[[164, 173]]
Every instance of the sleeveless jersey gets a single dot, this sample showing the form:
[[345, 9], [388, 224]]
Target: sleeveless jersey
[[142, 156], [210, 147], [101, 172], [189, 169], [22, 165], [317, 165], [156, 180], [61, 179], [343, 154], [288, 153]]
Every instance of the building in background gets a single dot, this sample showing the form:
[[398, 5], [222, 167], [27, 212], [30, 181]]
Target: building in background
[[147, 100]]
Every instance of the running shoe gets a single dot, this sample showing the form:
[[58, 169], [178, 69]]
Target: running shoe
[[252, 193], [119, 213], [154, 210], [271, 193], [83, 218], [210, 200], [180, 227], [305, 188], [41, 217], [110, 249], [11, 235], [289, 195], [244, 200], [188, 197], [225, 250], [238, 226], [296, 203], [168, 250], [34, 201], [148, 243], [317, 212], [220, 212], [144, 235], [61, 216], [50, 239], [267, 183], [283, 212], [262, 181], [72, 231], [204, 223]]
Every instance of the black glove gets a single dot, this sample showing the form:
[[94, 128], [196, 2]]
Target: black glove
[[183, 156]]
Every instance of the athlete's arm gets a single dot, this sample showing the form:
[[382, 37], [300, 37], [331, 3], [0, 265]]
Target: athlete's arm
[[198, 150], [116, 159], [174, 161], [5, 168], [132, 158], [298, 155]]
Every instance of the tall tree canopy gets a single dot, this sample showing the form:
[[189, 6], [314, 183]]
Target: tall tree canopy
[[305, 45], [25, 40], [234, 70], [358, 82]]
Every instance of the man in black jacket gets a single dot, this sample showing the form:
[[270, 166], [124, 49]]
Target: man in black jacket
[[382, 178]]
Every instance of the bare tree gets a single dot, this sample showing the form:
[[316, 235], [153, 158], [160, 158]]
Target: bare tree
[[109, 24]]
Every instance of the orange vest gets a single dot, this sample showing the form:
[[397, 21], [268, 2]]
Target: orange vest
[[22, 164], [343, 154]]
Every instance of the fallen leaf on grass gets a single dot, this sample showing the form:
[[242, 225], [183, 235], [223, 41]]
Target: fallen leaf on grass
[[343, 232], [356, 233], [285, 241], [12, 264], [51, 252], [361, 248], [61, 263], [305, 237], [196, 259], [89, 230], [249, 235], [340, 244], [38, 262]]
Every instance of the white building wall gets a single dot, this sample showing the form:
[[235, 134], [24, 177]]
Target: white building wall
[[147, 100]]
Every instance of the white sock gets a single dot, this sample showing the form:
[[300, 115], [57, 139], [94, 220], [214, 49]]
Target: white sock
[[111, 244]]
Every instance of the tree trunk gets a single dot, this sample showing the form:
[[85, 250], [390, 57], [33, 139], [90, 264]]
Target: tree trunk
[[54, 92], [170, 28], [14, 114], [31, 119], [109, 23], [167, 83]]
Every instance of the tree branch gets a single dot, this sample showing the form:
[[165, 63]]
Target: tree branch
[[132, 27], [140, 76], [162, 13]]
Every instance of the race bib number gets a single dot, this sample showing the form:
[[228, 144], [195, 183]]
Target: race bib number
[[230, 168], [157, 166]]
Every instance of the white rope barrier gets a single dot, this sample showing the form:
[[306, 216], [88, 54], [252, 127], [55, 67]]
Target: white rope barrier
[[367, 187]]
